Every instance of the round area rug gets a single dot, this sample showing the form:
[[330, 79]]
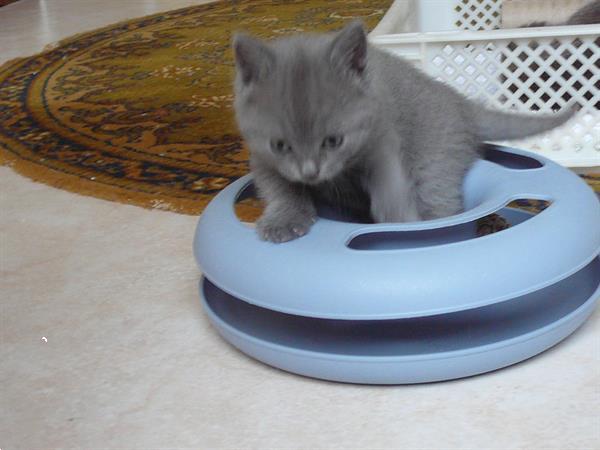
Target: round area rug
[[141, 111]]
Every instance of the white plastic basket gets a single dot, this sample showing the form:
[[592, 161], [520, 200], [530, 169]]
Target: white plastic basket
[[537, 69]]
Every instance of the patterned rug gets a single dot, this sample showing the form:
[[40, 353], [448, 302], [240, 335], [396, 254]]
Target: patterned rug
[[141, 112]]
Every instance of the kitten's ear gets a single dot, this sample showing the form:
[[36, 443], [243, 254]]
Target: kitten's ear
[[253, 58], [349, 48]]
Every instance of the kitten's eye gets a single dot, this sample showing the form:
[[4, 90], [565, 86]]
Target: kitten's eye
[[280, 146], [333, 141]]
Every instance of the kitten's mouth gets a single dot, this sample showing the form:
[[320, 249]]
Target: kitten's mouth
[[316, 180], [312, 181]]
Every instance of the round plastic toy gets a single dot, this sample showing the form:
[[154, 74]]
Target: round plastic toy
[[412, 302]]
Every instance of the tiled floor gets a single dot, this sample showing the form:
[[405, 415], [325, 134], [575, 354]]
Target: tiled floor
[[104, 344]]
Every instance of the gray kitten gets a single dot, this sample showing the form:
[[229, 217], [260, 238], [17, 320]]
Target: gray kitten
[[329, 117]]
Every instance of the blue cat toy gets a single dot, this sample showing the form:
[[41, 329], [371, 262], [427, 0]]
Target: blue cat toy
[[411, 302]]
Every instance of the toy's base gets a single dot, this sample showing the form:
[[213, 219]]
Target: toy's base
[[408, 350]]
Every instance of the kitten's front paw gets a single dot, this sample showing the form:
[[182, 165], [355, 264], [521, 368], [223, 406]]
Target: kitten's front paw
[[278, 228]]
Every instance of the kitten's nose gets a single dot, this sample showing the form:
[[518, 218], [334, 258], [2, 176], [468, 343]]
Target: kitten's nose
[[310, 171]]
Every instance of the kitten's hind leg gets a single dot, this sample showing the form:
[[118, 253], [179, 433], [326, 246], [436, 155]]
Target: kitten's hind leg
[[439, 181], [392, 190]]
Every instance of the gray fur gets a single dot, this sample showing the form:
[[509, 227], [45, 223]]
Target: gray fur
[[497, 125], [408, 140]]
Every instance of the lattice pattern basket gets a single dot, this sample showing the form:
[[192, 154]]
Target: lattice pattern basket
[[536, 69]]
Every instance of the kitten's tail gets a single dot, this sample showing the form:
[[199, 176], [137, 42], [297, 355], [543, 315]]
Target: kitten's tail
[[499, 125]]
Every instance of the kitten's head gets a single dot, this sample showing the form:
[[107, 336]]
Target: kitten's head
[[302, 102]]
